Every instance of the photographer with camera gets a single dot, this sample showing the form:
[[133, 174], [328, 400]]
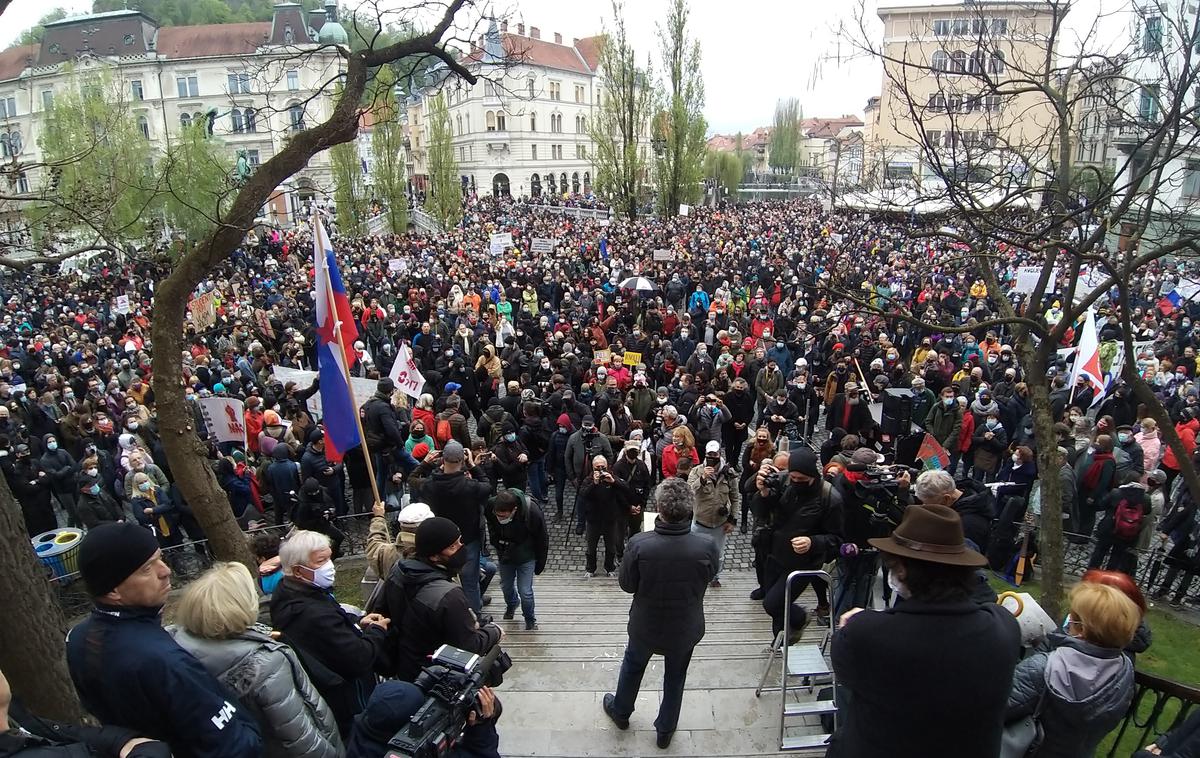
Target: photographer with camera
[[603, 507], [582, 448], [394, 703], [458, 492], [426, 605], [806, 517], [717, 501]]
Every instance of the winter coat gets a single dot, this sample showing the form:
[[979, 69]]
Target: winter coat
[[269, 682], [1087, 690], [130, 673], [98, 509], [766, 384], [1187, 435], [556, 461], [667, 571], [710, 424], [976, 508], [329, 641], [60, 469], [581, 450], [380, 424], [918, 664], [459, 498], [670, 460], [713, 495], [606, 502], [510, 471], [802, 512], [1152, 449], [945, 423], [988, 452], [523, 539]]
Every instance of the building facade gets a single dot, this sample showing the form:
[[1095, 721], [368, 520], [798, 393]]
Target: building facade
[[942, 67], [255, 83]]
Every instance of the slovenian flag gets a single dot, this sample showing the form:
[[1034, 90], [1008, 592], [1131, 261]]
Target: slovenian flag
[[333, 316], [1169, 302]]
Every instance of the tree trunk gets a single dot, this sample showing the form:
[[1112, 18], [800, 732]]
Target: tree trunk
[[32, 628], [188, 456], [1050, 534]]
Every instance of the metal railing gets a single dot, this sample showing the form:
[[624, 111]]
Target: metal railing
[[424, 221], [1159, 705], [598, 214]]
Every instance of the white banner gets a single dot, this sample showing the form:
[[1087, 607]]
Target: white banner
[[363, 389], [1027, 279], [541, 245], [685, 210], [406, 374], [225, 419], [396, 265], [501, 242], [123, 304], [664, 255]]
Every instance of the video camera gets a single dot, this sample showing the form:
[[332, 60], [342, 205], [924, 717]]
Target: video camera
[[451, 683], [879, 491]]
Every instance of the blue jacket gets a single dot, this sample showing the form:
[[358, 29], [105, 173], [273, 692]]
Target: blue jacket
[[129, 672]]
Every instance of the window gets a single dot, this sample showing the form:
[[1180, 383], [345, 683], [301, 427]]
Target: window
[[999, 27], [252, 158], [991, 103], [556, 90], [562, 181], [533, 152], [189, 86], [941, 27], [941, 61], [136, 86], [8, 107], [958, 62], [988, 140], [238, 124], [47, 99], [296, 117], [556, 152], [575, 182], [23, 183], [581, 151], [556, 123], [580, 124], [531, 84], [458, 125], [6, 146], [976, 64], [1152, 35], [490, 119], [462, 154], [1092, 152], [579, 93], [954, 103], [1079, 152], [587, 181], [972, 103], [251, 117], [533, 122], [1148, 103], [239, 83], [937, 102], [933, 138], [501, 122], [293, 79], [961, 27], [996, 64], [144, 126], [185, 120]]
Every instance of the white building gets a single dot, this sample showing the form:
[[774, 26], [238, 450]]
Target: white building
[[522, 130], [257, 82]]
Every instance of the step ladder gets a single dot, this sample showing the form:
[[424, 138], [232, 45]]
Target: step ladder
[[803, 666]]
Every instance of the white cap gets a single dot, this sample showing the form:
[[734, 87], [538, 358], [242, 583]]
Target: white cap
[[712, 447], [415, 513]]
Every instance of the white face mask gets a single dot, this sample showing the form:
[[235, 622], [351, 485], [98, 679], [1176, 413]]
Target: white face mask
[[898, 586], [325, 575], [506, 520]]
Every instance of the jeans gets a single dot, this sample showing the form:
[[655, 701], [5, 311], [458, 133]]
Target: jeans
[[717, 535], [487, 569], [470, 576], [607, 530], [537, 480], [633, 666], [1104, 543], [517, 579]]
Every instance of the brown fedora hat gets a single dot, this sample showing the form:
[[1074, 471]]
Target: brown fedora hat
[[932, 533]]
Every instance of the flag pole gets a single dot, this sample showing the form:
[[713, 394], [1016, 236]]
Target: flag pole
[[362, 437]]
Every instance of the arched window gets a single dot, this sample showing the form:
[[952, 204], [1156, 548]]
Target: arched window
[[185, 120], [958, 62], [143, 126], [587, 182], [251, 117], [535, 186], [458, 125], [5, 146], [490, 118], [296, 117], [562, 181], [532, 120], [575, 182], [553, 184], [941, 61], [501, 122], [996, 64], [235, 116], [976, 65]]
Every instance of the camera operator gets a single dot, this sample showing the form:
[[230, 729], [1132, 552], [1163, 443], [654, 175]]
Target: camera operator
[[806, 514], [394, 703], [603, 506], [717, 501], [428, 607]]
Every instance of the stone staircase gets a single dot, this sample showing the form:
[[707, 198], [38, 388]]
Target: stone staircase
[[552, 695]]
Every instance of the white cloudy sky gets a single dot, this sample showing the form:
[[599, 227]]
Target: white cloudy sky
[[754, 51]]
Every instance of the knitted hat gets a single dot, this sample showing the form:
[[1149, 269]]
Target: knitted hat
[[110, 553], [453, 453], [420, 450], [435, 535], [803, 461]]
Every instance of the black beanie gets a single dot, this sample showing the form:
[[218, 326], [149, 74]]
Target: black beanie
[[385, 386], [110, 553], [311, 486], [803, 461], [435, 535]]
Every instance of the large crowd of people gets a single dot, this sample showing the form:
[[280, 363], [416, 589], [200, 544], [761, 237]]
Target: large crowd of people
[[554, 392]]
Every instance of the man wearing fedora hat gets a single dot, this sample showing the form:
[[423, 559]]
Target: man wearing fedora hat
[[937, 660]]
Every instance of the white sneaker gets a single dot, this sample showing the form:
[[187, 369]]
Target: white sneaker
[[589, 575], [610, 574]]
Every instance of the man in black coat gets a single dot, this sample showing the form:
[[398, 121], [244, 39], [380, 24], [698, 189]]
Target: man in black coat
[[517, 530], [935, 658], [740, 402], [667, 571], [458, 492], [604, 503], [851, 412]]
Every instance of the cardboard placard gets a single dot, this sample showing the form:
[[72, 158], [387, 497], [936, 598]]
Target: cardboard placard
[[501, 242], [1027, 279], [203, 310], [541, 245], [603, 356], [632, 358], [664, 255], [123, 304], [263, 320], [396, 265]]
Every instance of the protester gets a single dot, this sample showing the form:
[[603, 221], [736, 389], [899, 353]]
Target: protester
[[459, 492], [517, 529]]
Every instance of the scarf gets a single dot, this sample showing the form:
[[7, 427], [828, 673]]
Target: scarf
[[1092, 478], [760, 454]]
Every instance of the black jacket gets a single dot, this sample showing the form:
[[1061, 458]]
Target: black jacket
[[604, 503], [976, 508], [380, 425], [430, 610], [339, 655], [919, 664], [42, 738], [800, 512], [129, 672], [667, 571], [525, 538], [98, 509], [459, 498]]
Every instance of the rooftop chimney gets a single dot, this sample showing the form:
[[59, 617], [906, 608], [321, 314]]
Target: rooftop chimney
[[521, 29], [535, 33], [504, 26], [575, 41], [557, 38]]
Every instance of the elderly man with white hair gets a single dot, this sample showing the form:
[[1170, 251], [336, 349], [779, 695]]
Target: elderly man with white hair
[[974, 507], [604, 505]]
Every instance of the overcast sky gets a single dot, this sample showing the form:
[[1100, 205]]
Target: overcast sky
[[753, 51]]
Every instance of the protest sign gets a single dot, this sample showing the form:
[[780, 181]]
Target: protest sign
[[541, 245], [1028, 276], [204, 311], [406, 374], [501, 242], [123, 304], [363, 389], [632, 358], [263, 320], [396, 265], [224, 417], [664, 255]]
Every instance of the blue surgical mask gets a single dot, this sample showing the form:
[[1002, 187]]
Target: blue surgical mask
[[94, 489], [510, 437], [51, 445]]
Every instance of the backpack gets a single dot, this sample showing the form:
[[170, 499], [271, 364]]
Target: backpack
[[442, 432], [1127, 520]]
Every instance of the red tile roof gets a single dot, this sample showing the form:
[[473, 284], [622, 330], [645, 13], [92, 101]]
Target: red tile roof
[[14, 59], [539, 52], [589, 48], [212, 39], [722, 143], [824, 128]]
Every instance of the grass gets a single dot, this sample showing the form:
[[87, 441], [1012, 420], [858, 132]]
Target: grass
[[346, 587]]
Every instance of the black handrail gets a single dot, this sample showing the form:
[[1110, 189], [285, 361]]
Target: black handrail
[[1141, 725]]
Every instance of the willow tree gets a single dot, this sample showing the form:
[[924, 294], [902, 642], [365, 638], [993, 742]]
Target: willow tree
[[724, 170], [786, 136], [680, 167], [621, 123], [349, 189], [445, 201], [387, 146]]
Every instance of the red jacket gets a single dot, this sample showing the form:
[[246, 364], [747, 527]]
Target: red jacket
[[967, 432], [1187, 435]]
